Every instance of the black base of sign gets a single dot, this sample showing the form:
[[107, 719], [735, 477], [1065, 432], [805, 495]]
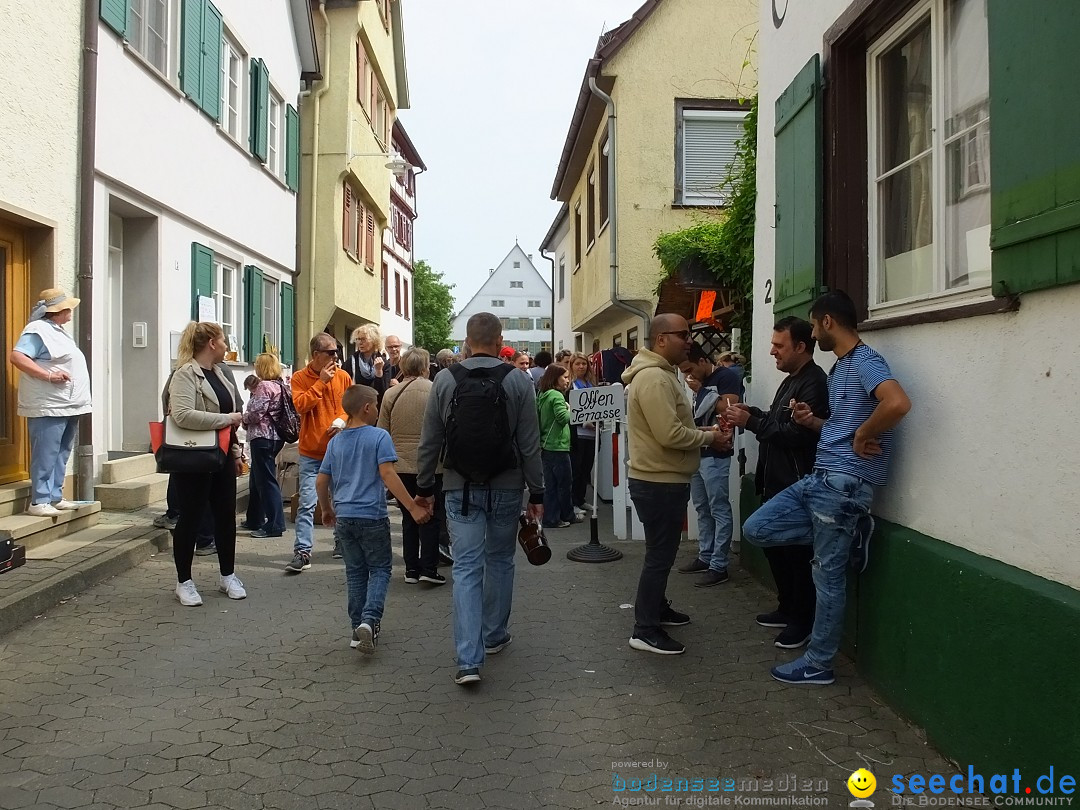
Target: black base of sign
[[593, 551]]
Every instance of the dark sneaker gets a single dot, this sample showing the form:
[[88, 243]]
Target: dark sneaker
[[165, 522], [300, 562], [774, 619], [364, 638], [669, 617], [248, 527], [207, 550], [337, 550], [860, 546], [711, 578], [792, 637], [445, 556], [695, 567], [467, 676], [434, 577], [412, 577], [262, 534], [659, 642], [802, 671], [495, 649]]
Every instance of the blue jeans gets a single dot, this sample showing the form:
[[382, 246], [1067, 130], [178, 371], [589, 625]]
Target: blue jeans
[[264, 483], [305, 513], [365, 546], [484, 543], [825, 509], [662, 509], [558, 487], [709, 491], [51, 440]]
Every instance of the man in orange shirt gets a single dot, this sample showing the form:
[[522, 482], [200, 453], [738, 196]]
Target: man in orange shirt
[[317, 390]]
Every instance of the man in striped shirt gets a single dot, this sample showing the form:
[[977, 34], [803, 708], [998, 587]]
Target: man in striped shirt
[[831, 506]]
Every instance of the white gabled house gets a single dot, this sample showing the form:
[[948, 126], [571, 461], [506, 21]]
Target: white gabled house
[[197, 169]]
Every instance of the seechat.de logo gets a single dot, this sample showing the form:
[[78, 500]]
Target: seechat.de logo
[[861, 784]]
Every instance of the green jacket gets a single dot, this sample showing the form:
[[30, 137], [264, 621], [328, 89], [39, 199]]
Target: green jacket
[[554, 416]]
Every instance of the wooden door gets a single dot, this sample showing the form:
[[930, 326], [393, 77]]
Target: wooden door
[[14, 447]]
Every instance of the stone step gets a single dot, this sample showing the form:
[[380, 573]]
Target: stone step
[[14, 498], [31, 531], [136, 493], [127, 469]]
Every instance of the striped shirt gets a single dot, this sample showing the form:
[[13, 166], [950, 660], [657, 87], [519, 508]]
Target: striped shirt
[[852, 381]]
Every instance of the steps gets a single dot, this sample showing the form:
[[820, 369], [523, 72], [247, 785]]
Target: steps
[[14, 498], [130, 483], [32, 532]]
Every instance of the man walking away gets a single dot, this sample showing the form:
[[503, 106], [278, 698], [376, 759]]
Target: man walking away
[[831, 507], [663, 449], [483, 412], [785, 455]]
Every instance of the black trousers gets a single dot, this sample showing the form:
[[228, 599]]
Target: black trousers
[[195, 492], [581, 465], [794, 579], [420, 543], [204, 535], [662, 509]]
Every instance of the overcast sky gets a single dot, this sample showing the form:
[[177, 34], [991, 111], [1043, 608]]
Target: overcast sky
[[493, 84]]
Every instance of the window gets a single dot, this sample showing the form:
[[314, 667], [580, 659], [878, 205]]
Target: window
[[225, 298], [274, 131], [148, 31], [505, 323], [517, 284], [705, 150], [405, 296], [604, 169], [577, 234], [397, 292], [232, 87], [616, 340], [929, 164], [590, 208], [363, 77], [533, 302], [544, 323], [562, 278], [631, 339], [385, 287], [525, 324], [498, 302], [270, 310], [381, 121], [357, 229], [545, 346], [517, 265]]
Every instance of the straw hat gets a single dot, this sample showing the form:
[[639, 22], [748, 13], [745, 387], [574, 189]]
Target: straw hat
[[57, 300]]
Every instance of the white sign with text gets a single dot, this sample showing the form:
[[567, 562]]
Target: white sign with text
[[601, 404]]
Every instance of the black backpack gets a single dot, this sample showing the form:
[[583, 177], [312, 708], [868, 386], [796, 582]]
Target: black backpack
[[286, 420], [479, 444]]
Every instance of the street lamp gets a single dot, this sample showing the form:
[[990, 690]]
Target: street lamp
[[398, 165]]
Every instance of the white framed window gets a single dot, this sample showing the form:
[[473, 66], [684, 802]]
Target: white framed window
[[706, 141], [226, 278], [148, 31], [517, 284], [270, 310], [232, 87], [517, 265], [275, 132], [534, 302], [498, 302], [929, 160]]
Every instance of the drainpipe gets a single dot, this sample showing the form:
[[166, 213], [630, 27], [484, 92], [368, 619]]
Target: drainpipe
[[551, 259], [84, 454], [646, 318], [314, 196]]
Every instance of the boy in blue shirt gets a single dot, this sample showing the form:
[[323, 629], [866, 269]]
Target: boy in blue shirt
[[356, 471]]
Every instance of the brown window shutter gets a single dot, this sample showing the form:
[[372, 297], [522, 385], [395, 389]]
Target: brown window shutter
[[346, 218]]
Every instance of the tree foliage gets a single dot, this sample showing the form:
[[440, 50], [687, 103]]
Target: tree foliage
[[723, 240], [433, 308]]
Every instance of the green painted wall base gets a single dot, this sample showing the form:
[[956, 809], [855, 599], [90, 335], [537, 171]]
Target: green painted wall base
[[984, 656]]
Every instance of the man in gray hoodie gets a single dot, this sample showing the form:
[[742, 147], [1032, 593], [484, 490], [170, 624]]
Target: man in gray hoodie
[[482, 515]]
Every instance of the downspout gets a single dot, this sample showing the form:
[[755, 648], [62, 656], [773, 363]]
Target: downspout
[[551, 259], [314, 196], [646, 318], [84, 455]]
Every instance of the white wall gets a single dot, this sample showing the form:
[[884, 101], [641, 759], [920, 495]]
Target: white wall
[[989, 456], [395, 256], [562, 251], [497, 287]]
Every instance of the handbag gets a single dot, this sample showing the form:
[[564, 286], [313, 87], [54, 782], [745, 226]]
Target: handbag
[[180, 450]]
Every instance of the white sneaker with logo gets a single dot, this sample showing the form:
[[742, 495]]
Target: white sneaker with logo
[[188, 596], [233, 587]]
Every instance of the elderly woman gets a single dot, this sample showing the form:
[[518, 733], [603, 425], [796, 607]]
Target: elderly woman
[[202, 396], [366, 364], [267, 401], [402, 415], [53, 392]]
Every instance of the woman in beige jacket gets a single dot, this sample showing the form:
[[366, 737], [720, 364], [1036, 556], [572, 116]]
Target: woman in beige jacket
[[202, 397]]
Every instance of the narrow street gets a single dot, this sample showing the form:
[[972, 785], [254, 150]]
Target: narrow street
[[121, 698]]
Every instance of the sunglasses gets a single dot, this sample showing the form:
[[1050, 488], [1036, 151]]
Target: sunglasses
[[683, 334], [326, 351]]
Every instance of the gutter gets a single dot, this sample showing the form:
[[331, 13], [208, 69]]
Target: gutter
[[84, 454], [314, 196], [551, 259], [646, 318]]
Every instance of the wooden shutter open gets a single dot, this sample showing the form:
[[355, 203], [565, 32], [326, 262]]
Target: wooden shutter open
[[292, 148], [212, 32], [253, 312], [114, 13], [191, 45], [348, 232], [369, 241], [202, 276], [259, 109]]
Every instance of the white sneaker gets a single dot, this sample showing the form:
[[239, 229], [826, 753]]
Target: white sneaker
[[188, 596], [43, 510], [578, 512], [67, 505], [232, 586]]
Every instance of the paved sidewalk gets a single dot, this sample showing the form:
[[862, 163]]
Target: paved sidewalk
[[122, 698]]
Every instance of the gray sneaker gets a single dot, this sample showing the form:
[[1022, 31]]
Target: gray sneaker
[[300, 562], [164, 522], [364, 638], [338, 554], [207, 550]]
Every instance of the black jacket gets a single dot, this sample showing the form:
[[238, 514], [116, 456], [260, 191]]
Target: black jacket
[[787, 450]]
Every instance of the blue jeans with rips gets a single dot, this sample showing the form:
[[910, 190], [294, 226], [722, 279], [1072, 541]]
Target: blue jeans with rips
[[823, 509], [309, 499], [484, 543], [365, 546], [709, 492]]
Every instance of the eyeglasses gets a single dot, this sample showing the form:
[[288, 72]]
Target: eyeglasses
[[683, 334], [326, 351]]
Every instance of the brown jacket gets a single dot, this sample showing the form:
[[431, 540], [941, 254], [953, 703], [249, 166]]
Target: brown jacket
[[402, 416]]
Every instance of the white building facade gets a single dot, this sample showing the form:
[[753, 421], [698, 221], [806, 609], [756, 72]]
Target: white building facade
[[195, 209], [517, 293], [558, 247]]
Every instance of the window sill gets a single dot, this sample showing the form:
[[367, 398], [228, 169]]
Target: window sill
[[234, 142], [603, 227], [681, 206], [152, 70], [985, 306], [280, 182], [588, 249]]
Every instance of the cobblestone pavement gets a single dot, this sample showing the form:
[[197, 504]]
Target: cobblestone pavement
[[122, 698]]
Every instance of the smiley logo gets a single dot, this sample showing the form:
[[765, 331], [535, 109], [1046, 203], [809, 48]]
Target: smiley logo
[[861, 783]]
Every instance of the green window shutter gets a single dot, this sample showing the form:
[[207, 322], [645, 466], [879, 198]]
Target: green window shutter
[[292, 148], [191, 37], [114, 13], [260, 108], [288, 324], [799, 195], [1034, 146], [202, 275], [253, 312], [213, 30]]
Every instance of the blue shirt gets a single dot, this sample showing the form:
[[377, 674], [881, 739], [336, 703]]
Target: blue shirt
[[33, 347], [722, 381], [352, 459], [852, 381]]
